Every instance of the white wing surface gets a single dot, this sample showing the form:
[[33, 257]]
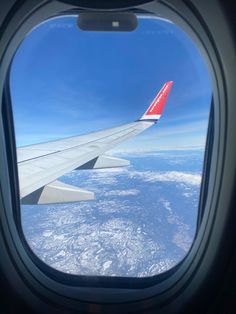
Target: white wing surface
[[40, 165]]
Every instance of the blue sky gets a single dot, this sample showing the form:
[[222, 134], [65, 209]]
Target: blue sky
[[67, 82]]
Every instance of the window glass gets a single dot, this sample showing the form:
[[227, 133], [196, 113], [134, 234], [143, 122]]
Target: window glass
[[66, 82]]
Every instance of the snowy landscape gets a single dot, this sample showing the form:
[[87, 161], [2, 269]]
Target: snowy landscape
[[141, 223]]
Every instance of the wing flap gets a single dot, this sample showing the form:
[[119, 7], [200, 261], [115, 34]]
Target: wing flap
[[57, 192], [104, 161]]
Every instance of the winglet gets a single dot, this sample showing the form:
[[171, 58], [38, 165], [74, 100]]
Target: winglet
[[155, 109]]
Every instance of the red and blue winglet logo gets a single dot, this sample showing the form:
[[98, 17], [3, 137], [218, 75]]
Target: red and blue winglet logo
[[155, 109]]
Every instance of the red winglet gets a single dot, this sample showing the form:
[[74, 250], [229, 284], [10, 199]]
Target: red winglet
[[155, 109]]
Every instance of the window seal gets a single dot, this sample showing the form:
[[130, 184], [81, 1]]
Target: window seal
[[206, 165]]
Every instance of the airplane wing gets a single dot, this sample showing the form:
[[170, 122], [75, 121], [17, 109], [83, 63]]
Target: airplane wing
[[40, 165]]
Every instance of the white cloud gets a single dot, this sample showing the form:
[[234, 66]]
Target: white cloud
[[108, 176], [122, 192], [171, 176], [166, 205], [188, 194], [167, 152]]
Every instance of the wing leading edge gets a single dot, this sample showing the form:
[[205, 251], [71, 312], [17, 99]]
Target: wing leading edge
[[40, 165]]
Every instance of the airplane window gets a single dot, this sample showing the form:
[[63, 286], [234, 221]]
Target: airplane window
[[110, 129]]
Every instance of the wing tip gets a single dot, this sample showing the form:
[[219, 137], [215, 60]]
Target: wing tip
[[154, 111]]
